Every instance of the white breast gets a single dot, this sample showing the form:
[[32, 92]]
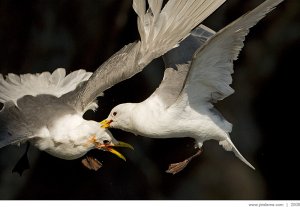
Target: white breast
[[66, 138], [151, 119]]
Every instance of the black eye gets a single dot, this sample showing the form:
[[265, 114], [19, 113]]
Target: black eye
[[106, 142], [114, 113]]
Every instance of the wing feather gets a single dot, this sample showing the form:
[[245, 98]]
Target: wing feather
[[14, 87], [209, 78], [13, 127], [177, 64], [160, 31]]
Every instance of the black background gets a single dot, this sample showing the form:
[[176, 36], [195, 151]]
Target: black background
[[41, 35]]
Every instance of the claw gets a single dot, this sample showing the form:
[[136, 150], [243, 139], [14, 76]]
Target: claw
[[91, 163], [179, 166]]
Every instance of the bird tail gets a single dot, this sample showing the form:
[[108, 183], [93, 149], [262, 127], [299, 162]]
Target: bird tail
[[13, 87], [13, 128], [162, 29], [229, 146]]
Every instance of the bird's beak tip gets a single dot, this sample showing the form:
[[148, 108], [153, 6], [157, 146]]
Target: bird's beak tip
[[115, 152], [124, 144], [105, 123]]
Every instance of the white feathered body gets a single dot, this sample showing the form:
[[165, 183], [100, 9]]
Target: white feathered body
[[59, 128], [152, 119], [66, 136], [179, 120], [34, 110], [187, 110]]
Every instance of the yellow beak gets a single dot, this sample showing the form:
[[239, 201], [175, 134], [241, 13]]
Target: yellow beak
[[108, 147], [105, 123]]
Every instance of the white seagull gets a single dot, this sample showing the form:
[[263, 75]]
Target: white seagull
[[46, 109], [182, 106]]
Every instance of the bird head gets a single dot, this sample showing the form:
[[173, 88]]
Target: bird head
[[105, 141], [120, 117]]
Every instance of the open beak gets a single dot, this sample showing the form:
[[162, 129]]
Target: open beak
[[109, 147], [105, 123]]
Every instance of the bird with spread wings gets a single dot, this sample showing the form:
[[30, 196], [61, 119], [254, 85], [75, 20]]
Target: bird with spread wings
[[182, 105], [46, 109]]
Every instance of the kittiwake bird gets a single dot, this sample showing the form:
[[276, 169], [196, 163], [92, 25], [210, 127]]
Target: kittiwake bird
[[182, 105], [46, 109]]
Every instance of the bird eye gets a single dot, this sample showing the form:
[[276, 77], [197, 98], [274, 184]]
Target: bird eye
[[106, 141], [114, 114]]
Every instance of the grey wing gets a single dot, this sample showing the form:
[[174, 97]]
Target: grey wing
[[177, 63], [184, 53], [210, 74], [21, 122], [160, 29], [13, 128]]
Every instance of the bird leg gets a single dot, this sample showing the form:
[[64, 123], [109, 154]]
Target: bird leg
[[91, 163], [177, 167]]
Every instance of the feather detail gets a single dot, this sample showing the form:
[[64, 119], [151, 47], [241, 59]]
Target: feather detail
[[14, 87], [209, 78], [13, 128], [169, 25], [160, 29]]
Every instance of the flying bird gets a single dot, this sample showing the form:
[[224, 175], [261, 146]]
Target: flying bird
[[47, 109], [182, 105]]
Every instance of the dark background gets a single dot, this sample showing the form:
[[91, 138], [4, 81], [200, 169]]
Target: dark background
[[41, 35]]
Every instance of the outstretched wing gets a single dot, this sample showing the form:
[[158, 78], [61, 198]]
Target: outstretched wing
[[13, 127], [210, 74], [25, 119], [14, 87], [177, 63], [160, 30]]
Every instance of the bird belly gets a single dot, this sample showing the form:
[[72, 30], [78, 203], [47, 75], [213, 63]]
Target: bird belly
[[63, 138], [181, 123], [66, 151], [160, 124], [179, 120]]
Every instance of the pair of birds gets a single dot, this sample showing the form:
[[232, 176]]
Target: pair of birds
[[46, 109]]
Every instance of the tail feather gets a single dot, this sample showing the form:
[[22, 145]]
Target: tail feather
[[13, 87], [13, 127], [229, 146]]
